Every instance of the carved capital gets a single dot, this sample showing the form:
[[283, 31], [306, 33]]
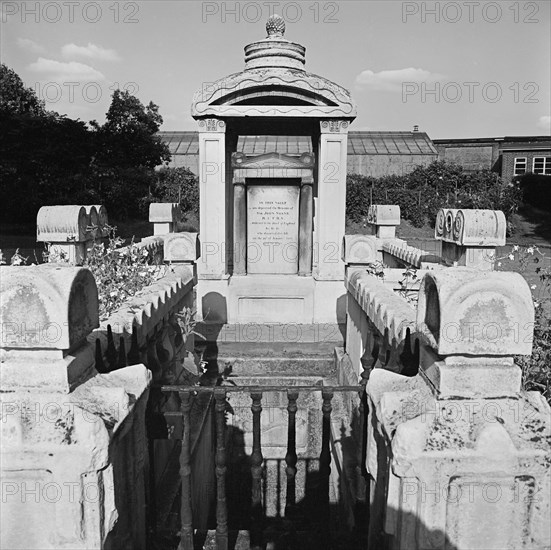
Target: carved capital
[[211, 125], [334, 126]]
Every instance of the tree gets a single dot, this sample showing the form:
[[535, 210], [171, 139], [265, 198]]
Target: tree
[[128, 138], [127, 151], [15, 99], [44, 157]]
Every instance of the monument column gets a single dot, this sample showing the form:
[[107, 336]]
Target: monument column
[[212, 193], [331, 202], [305, 228], [239, 226]]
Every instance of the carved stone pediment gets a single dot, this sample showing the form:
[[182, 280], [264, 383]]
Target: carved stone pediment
[[272, 160]]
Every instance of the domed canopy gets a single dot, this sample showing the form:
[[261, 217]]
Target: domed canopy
[[274, 84]]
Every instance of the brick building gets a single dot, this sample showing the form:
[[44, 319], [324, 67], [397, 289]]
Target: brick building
[[508, 156]]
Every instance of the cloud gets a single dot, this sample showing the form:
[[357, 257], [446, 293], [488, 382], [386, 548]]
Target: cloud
[[544, 123], [30, 45], [392, 81], [90, 52], [65, 72]]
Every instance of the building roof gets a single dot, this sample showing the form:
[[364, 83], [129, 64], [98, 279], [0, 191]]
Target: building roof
[[390, 143], [505, 139], [359, 143]]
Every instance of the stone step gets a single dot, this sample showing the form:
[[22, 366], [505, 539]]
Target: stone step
[[281, 540], [279, 358], [289, 333]]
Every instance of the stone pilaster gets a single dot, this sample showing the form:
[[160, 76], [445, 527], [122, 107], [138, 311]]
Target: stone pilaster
[[331, 203], [305, 235], [212, 198], [239, 227]]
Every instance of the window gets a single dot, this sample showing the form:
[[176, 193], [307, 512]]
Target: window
[[520, 166], [542, 165]]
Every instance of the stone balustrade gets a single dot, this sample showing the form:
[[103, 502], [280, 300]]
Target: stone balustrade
[[383, 246], [72, 411], [451, 435]]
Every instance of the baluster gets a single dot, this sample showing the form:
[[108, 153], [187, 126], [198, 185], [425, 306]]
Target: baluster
[[186, 533], [220, 462], [134, 351], [291, 456], [325, 462], [111, 353], [100, 365], [363, 409], [256, 471], [121, 363]]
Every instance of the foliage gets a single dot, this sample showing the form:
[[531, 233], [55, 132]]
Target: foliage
[[15, 99], [424, 191], [536, 369], [177, 185], [128, 138], [535, 189], [120, 272], [50, 159]]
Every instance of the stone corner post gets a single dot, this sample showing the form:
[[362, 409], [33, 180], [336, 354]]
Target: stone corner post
[[470, 237]]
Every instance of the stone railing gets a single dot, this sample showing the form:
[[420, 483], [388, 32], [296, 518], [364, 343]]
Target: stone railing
[[457, 454], [468, 238], [74, 452]]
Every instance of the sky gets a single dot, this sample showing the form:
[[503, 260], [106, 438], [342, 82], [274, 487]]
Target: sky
[[456, 69]]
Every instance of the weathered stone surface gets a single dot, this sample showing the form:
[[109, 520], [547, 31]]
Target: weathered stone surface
[[47, 306], [59, 224], [98, 216], [384, 214], [484, 228], [468, 312], [69, 230], [360, 249], [164, 212], [389, 313], [409, 255], [181, 247], [453, 462], [74, 471]]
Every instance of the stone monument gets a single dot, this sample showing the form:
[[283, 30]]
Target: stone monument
[[272, 223]]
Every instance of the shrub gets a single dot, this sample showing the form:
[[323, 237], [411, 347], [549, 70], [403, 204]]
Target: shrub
[[536, 370], [424, 191], [120, 272]]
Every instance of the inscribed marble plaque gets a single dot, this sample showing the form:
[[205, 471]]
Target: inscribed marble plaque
[[272, 229]]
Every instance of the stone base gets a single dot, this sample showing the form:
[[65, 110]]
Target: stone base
[[271, 299], [73, 468]]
